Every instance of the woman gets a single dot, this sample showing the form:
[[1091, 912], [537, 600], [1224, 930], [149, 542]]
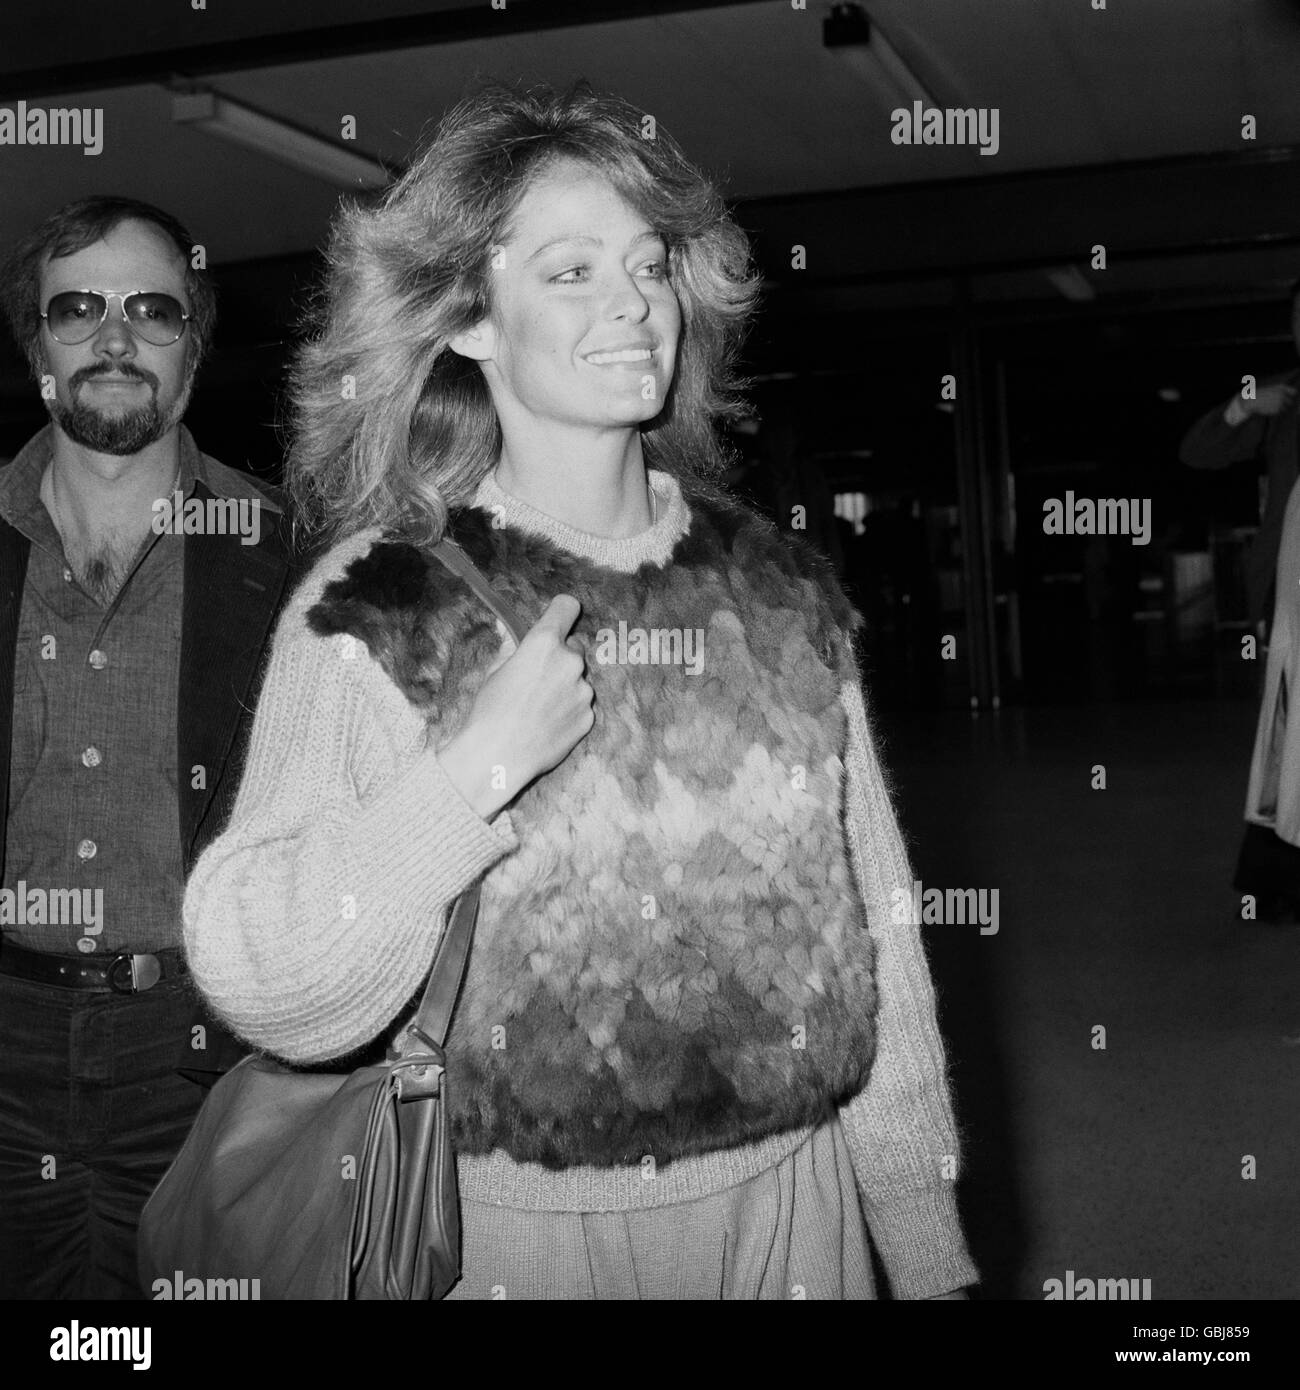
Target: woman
[[661, 1061]]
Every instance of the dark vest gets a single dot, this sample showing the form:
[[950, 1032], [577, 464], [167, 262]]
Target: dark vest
[[676, 958]]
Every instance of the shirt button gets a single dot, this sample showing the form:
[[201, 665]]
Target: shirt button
[[98, 660], [86, 943], [91, 757], [87, 849], [67, 575]]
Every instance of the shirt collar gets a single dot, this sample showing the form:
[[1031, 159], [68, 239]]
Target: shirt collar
[[20, 483]]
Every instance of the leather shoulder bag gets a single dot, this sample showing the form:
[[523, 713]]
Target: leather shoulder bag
[[319, 1185]]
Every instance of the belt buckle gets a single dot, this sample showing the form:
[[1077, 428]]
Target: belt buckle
[[129, 974]]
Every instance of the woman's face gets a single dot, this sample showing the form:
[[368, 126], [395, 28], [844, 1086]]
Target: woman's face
[[584, 324]]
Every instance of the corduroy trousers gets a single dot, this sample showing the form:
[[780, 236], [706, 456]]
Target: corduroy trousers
[[92, 1112]]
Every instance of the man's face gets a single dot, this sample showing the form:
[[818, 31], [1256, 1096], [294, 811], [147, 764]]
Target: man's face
[[114, 393], [602, 285]]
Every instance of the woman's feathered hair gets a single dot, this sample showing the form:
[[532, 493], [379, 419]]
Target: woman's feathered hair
[[390, 425]]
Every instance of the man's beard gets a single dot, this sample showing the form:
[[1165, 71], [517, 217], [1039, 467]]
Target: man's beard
[[119, 434]]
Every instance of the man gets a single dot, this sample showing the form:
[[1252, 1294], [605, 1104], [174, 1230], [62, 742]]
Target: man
[[131, 639], [1262, 428]]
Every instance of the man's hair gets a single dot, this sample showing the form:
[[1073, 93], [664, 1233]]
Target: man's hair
[[1295, 292], [71, 229], [391, 426]]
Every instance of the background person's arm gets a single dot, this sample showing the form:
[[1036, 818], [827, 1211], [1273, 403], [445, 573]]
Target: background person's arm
[[1234, 431]]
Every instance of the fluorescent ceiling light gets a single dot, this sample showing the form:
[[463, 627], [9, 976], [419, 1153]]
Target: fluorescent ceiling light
[[850, 33], [300, 149], [1072, 283], [897, 71]]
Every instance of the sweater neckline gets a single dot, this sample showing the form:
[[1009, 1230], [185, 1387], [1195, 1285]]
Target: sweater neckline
[[654, 545]]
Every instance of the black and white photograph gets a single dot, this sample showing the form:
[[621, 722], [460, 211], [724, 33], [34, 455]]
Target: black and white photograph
[[644, 656]]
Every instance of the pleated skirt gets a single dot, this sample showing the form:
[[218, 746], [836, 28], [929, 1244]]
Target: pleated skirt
[[794, 1231]]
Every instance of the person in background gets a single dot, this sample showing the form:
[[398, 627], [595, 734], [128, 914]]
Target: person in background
[[1270, 864], [1263, 429], [1266, 430], [129, 657]]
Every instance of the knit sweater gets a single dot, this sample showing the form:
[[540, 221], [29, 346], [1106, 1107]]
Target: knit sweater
[[344, 801], [675, 959]]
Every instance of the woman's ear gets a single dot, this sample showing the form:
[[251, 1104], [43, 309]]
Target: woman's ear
[[478, 342]]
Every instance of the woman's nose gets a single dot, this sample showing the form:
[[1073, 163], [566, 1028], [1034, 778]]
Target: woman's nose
[[627, 301]]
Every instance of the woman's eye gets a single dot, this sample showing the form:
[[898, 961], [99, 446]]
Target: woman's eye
[[656, 267], [660, 269]]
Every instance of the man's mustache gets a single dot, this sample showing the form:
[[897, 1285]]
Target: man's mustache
[[127, 369]]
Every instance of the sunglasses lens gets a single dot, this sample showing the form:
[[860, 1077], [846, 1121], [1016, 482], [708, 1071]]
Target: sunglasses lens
[[157, 318], [75, 316]]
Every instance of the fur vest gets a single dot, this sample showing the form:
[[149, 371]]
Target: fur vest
[[675, 959]]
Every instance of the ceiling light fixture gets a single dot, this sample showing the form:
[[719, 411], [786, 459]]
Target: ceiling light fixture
[[1072, 283], [269, 135], [851, 33]]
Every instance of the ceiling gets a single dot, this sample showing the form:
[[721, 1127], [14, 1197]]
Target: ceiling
[[748, 89], [1120, 125]]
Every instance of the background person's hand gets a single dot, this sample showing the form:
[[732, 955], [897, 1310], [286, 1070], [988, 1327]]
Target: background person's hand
[[1271, 400]]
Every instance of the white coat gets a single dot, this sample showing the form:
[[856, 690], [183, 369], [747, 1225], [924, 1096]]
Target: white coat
[[1273, 798]]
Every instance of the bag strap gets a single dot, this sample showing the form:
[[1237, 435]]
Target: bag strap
[[433, 1017]]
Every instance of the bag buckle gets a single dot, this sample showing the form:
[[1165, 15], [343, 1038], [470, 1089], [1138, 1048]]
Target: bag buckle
[[417, 1079], [417, 1064], [129, 974]]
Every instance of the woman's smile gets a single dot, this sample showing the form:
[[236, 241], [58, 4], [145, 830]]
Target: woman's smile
[[623, 357]]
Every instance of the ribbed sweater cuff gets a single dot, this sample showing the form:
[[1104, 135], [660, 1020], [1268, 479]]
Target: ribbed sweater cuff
[[918, 1235], [424, 836]]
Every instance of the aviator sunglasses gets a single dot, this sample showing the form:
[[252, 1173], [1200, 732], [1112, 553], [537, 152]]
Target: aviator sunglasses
[[76, 315]]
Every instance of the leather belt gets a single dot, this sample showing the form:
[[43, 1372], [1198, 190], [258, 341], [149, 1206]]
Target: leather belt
[[121, 974]]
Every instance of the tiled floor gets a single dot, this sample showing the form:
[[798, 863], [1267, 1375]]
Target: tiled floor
[[1115, 910]]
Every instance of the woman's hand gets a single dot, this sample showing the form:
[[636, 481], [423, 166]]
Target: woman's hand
[[534, 708]]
